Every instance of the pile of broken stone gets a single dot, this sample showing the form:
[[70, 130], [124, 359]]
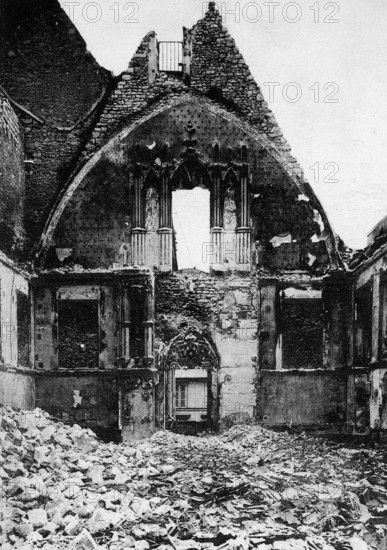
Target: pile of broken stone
[[247, 488]]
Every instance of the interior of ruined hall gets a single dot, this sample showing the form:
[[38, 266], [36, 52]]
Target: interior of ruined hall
[[164, 261]]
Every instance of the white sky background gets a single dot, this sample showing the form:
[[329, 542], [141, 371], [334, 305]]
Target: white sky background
[[350, 53], [191, 221]]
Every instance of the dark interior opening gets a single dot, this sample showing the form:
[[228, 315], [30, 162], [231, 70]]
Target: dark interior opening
[[302, 321], [23, 328], [78, 334], [363, 324]]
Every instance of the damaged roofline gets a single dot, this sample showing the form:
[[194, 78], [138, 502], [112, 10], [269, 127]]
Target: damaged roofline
[[365, 264]]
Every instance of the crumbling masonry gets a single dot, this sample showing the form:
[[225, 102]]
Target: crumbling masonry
[[99, 325]]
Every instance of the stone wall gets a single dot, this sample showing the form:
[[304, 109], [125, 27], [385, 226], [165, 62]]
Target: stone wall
[[223, 309], [114, 405], [14, 283], [55, 86], [11, 181], [304, 324], [304, 400], [16, 390], [94, 220], [84, 372], [367, 388], [17, 386], [218, 69], [50, 351]]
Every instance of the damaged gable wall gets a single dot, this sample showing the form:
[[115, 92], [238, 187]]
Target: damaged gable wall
[[276, 207], [159, 132]]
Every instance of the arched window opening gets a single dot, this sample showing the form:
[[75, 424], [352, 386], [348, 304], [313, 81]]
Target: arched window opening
[[191, 224]]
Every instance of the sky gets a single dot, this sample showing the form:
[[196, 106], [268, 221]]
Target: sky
[[321, 67]]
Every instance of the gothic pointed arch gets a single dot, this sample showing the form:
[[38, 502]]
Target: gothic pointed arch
[[190, 350], [152, 192], [191, 173], [231, 192], [266, 164], [181, 178]]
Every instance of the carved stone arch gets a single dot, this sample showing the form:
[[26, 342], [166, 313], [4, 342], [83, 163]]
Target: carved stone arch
[[152, 193], [231, 178], [137, 196], [181, 178], [189, 174], [275, 158], [243, 154], [231, 190], [201, 177], [152, 179], [190, 352], [216, 150], [217, 198], [190, 349]]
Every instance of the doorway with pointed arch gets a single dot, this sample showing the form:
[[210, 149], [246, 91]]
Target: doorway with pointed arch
[[190, 368]]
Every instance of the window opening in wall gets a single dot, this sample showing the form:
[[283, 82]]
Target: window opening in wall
[[23, 328], [170, 56], [191, 384], [301, 344], [78, 334], [191, 223], [191, 395], [137, 308], [363, 323], [181, 396]]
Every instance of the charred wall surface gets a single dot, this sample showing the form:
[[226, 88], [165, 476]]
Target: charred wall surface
[[55, 85], [367, 406], [12, 181], [278, 206], [92, 351], [116, 406], [305, 400]]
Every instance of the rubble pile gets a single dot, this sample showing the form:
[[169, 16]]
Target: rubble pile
[[248, 488]]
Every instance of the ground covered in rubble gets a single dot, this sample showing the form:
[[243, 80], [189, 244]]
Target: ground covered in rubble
[[247, 488]]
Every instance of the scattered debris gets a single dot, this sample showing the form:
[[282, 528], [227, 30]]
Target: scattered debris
[[246, 489]]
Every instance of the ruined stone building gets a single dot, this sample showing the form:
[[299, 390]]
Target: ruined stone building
[[368, 387], [100, 324]]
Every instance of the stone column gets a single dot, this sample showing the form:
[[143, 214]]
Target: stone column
[[124, 323], [243, 247], [165, 231], [383, 317], [216, 248], [138, 231], [377, 291], [138, 246], [244, 230], [149, 325], [216, 222]]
